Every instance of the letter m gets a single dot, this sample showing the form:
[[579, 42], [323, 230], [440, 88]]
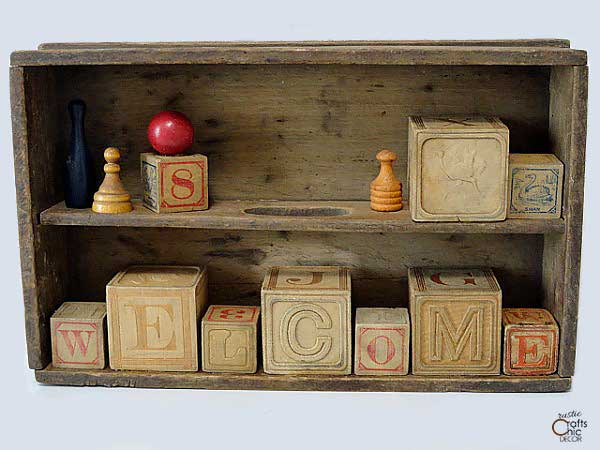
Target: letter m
[[450, 339]]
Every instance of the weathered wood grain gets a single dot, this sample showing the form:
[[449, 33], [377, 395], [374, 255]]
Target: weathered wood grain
[[562, 254], [297, 132], [262, 381], [564, 43], [237, 261], [43, 259], [354, 55], [345, 216]]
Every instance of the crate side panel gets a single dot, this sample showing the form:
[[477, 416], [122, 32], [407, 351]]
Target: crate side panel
[[43, 257], [562, 253]]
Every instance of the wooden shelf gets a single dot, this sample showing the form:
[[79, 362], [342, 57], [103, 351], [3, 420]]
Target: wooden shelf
[[262, 381], [232, 215]]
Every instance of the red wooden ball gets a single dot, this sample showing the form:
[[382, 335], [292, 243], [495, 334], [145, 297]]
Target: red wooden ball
[[170, 133]]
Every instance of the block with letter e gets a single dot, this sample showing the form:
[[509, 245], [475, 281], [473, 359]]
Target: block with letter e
[[381, 337], [306, 320], [77, 332], [456, 321], [530, 341], [175, 183], [153, 314], [229, 339]]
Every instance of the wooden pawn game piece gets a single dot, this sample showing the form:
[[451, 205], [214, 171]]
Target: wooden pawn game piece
[[386, 189], [112, 198]]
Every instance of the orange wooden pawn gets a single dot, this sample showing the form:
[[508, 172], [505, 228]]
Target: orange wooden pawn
[[386, 189]]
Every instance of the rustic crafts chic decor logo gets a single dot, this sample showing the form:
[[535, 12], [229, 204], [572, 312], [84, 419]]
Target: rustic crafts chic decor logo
[[569, 426]]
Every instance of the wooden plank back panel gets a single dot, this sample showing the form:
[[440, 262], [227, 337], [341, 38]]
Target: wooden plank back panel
[[297, 132], [238, 261]]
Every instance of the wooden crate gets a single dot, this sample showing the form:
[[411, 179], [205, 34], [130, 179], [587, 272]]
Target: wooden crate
[[291, 131]]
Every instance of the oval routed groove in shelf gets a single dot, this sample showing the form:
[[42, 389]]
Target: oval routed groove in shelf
[[297, 212]]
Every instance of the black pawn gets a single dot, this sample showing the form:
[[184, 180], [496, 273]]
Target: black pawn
[[79, 176]]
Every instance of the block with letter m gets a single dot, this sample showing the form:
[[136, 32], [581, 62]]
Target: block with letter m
[[455, 318]]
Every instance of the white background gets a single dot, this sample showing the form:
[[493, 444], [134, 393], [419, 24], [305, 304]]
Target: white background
[[53, 417]]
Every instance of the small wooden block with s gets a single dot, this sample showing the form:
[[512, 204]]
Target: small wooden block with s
[[535, 184], [458, 169], [175, 183], [306, 320], [153, 314], [77, 332], [229, 339], [530, 341], [381, 337], [456, 321]]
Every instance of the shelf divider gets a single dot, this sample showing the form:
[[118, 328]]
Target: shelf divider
[[324, 216]]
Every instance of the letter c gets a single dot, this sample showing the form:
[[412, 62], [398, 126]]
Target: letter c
[[554, 427], [289, 327]]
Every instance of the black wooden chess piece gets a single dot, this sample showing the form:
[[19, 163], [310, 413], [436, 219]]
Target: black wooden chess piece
[[79, 174]]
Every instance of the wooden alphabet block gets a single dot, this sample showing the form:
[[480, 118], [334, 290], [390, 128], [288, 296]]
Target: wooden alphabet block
[[229, 335], [456, 321], [77, 334], [153, 314], [458, 169], [530, 341], [306, 320], [381, 341], [535, 185], [175, 183]]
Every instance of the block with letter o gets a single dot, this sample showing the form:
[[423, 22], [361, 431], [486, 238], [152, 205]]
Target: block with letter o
[[382, 337]]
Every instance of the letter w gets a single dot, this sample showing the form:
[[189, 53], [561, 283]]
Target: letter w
[[454, 339], [78, 342]]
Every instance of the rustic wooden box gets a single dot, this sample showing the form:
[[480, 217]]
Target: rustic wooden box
[[291, 131]]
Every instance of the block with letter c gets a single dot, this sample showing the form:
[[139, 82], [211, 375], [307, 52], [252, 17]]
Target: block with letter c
[[306, 320]]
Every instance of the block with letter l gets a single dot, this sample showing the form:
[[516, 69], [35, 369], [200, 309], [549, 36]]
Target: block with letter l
[[530, 341], [306, 320], [175, 183], [456, 321], [229, 339], [77, 332], [153, 314]]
